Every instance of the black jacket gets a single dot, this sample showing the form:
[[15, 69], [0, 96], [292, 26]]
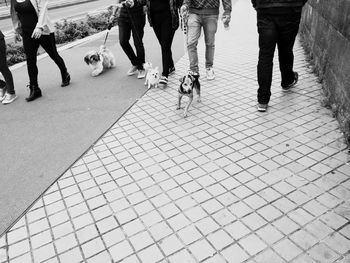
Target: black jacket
[[259, 4], [136, 10]]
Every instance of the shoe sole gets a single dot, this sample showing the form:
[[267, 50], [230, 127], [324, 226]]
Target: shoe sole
[[261, 109], [131, 74], [8, 102], [291, 85]]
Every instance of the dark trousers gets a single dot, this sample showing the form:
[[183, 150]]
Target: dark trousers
[[31, 47], [4, 69], [134, 25], [162, 26], [281, 30]]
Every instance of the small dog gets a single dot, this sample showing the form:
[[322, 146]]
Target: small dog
[[152, 77], [100, 60], [187, 84]]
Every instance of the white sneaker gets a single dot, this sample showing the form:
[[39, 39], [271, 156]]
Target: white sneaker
[[210, 74], [132, 71], [2, 95], [142, 74], [8, 98]]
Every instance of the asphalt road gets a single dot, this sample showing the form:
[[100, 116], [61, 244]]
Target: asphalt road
[[43, 138]]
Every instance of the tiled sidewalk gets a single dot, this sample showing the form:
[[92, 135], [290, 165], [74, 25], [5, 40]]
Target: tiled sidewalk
[[226, 184]]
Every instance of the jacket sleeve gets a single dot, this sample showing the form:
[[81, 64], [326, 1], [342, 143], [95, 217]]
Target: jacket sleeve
[[254, 3], [227, 6], [43, 13], [140, 3], [179, 3], [186, 2]]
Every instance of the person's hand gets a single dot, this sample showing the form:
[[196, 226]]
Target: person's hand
[[18, 37], [129, 3], [226, 21], [184, 10], [37, 32], [110, 25], [111, 19]]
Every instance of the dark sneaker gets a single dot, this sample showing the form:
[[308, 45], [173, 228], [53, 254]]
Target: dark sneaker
[[171, 70], [295, 81], [163, 80], [262, 107]]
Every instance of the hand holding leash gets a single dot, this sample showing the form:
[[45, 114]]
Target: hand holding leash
[[18, 37], [226, 21], [183, 13], [129, 3], [113, 16]]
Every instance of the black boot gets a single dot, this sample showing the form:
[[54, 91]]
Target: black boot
[[35, 92], [65, 79]]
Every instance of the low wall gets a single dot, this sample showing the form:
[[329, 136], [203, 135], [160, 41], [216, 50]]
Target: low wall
[[325, 30]]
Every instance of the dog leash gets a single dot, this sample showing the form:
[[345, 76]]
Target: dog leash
[[184, 27], [109, 27], [104, 43]]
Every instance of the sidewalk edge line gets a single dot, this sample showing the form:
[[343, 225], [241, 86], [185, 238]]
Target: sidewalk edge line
[[77, 159]]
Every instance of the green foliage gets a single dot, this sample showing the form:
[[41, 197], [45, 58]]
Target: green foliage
[[15, 53], [100, 21], [66, 31]]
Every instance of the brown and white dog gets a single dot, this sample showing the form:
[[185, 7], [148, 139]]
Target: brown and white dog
[[100, 60], [187, 84]]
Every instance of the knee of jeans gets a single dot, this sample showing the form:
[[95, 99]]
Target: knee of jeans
[[192, 44]]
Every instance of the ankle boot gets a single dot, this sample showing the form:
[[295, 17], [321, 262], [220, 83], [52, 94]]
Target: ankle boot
[[35, 92], [65, 79]]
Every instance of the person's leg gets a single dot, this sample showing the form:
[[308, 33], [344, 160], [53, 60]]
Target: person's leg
[[267, 44], [138, 24], [210, 25], [31, 47], [288, 26], [165, 33], [5, 71], [168, 36], [48, 43], [124, 26], [193, 34]]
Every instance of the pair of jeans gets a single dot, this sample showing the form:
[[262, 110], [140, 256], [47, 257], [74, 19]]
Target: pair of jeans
[[4, 69], [135, 25], [195, 24], [31, 46], [163, 28], [280, 30]]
